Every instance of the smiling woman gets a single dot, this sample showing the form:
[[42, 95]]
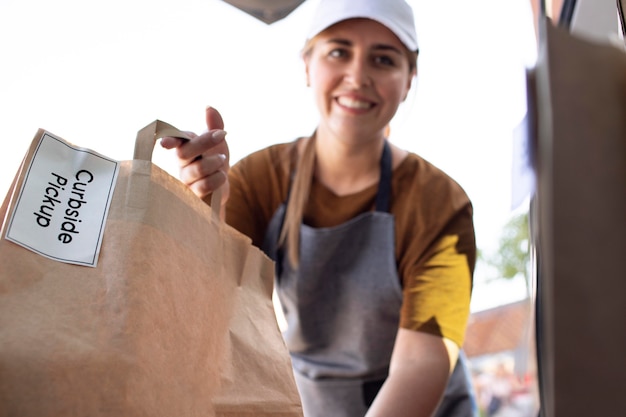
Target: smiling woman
[[350, 81], [390, 313]]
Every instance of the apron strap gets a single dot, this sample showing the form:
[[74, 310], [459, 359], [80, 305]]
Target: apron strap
[[383, 196]]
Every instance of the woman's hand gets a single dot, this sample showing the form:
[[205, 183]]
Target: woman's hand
[[203, 160]]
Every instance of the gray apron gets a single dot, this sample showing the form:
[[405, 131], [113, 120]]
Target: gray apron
[[342, 307]]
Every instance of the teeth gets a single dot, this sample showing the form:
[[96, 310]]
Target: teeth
[[353, 103]]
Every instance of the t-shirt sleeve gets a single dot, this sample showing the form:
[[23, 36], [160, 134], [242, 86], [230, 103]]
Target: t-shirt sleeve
[[437, 291], [436, 253]]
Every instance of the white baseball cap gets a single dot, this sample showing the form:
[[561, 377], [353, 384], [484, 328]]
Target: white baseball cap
[[396, 15]]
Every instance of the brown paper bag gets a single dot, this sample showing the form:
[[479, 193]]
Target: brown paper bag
[[175, 320]]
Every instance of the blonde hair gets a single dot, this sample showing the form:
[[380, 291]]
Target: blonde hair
[[298, 198]]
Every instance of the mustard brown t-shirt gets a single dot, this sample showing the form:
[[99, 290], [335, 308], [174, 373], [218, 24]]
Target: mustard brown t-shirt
[[434, 233]]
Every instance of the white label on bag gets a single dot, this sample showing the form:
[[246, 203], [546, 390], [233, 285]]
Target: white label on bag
[[62, 207]]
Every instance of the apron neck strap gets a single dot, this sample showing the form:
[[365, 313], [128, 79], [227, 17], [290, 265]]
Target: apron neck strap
[[383, 196]]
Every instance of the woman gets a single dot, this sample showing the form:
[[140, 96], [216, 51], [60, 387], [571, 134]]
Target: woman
[[374, 246]]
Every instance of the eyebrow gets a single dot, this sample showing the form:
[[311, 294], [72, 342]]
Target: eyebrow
[[377, 47]]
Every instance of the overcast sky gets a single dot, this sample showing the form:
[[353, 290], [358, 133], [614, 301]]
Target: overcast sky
[[95, 73]]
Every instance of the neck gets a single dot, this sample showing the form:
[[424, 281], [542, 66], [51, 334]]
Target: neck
[[346, 167]]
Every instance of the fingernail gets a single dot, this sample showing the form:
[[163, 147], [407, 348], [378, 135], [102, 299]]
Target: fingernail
[[221, 156], [218, 136]]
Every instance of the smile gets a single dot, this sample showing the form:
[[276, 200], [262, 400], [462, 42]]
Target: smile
[[353, 103]]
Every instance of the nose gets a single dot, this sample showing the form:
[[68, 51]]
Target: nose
[[357, 73]]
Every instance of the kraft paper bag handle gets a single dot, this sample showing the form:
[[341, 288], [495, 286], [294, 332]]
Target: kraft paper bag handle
[[146, 140]]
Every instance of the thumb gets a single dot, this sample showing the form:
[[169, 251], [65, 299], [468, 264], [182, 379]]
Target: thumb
[[213, 119]]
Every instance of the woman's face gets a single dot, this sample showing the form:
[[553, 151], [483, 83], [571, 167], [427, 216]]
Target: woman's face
[[359, 72]]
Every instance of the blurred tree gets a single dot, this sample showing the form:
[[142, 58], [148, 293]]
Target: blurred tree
[[513, 255]]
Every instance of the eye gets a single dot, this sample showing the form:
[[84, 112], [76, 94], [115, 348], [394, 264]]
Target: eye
[[338, 53], [385, 60]]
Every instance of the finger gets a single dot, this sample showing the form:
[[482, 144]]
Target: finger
[[207, 144], [213, 119], [170, 142], [207, 185], [202, 168], [221, 145]]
